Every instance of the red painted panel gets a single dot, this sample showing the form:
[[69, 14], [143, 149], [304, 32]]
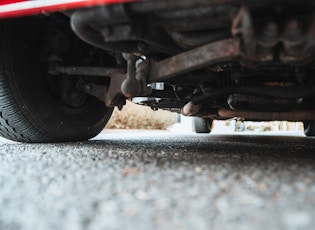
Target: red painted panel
[[19, 8], [3, 2]]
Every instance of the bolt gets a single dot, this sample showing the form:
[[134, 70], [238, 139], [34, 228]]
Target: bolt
[[88, 87]]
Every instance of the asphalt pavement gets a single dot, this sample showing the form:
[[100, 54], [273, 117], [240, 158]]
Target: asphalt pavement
[[159, 180]]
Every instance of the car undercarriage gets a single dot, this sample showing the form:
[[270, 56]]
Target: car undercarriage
[[214, 59], [209, 59]]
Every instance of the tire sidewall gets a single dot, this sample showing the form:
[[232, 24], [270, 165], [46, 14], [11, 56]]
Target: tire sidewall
[[59, 122]]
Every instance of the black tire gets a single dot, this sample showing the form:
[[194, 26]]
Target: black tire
[[309, 128], [28, 111], [202, 125]]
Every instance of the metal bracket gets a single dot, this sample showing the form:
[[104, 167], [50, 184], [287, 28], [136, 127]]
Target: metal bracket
[[194, 59], [111, 95], [87, 71]]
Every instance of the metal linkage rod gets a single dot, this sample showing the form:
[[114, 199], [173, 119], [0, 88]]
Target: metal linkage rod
[[194, 59]]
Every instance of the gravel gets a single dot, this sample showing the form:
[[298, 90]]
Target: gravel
[[158, 180]]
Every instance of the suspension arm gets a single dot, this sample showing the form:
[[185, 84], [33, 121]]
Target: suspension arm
[[194, 59]]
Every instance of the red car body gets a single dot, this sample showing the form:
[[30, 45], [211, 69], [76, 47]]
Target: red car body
[[20, 8]]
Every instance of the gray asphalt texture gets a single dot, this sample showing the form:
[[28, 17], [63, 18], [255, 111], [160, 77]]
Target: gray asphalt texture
[[158, 180]]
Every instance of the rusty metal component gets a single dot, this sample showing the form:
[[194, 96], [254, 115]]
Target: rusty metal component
[[297, 47], [297, 39], [207, 18], [135, 85], [256, 48], [298, 115], [110, 94], [259, 91], [267, 40], [98, 91], [85, 71], [242, 26], [207, 113], [90, 24], [114, 96], [109, 28], [191, 60], [131, 87], [189, 40], [142, 75], [136, 82], [190, 109], [239, 102]]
